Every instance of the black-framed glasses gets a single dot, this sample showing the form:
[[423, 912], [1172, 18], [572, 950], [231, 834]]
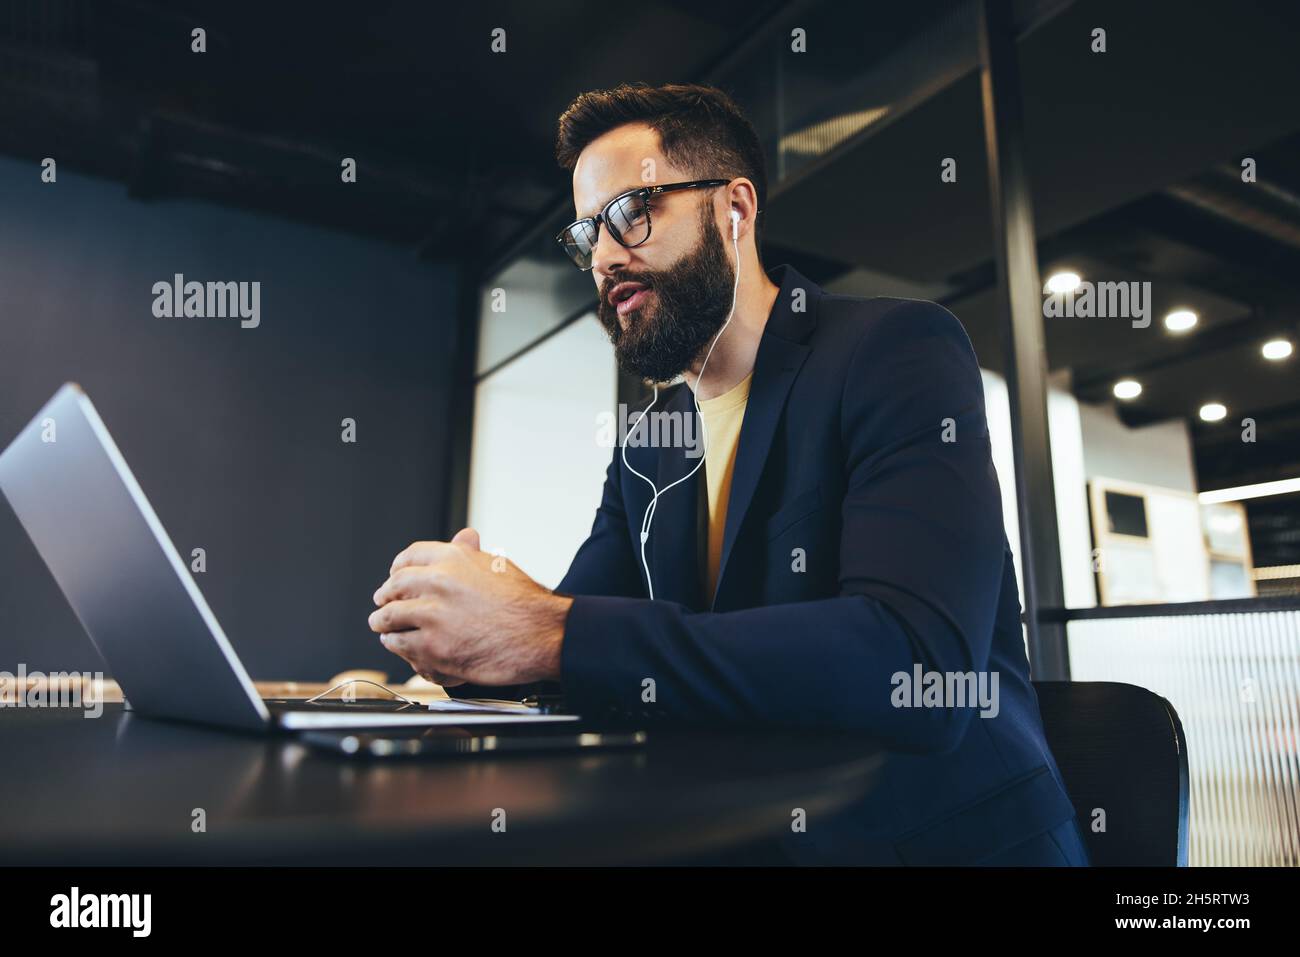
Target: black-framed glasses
[[626, 216]]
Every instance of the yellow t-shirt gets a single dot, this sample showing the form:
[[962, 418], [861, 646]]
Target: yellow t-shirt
[[723, 416]]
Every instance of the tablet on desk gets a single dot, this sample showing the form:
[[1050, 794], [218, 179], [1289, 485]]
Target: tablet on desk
[[450, 742]]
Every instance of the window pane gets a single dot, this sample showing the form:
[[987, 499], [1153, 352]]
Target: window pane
[[537, 464], [527, 299]]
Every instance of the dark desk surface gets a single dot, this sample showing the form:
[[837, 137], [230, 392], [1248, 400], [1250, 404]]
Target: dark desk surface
[[121, 789]]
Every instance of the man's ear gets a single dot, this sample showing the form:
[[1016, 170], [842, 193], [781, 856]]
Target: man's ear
[[741, 202]]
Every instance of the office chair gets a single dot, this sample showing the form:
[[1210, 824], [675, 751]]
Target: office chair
[[1121, 748]]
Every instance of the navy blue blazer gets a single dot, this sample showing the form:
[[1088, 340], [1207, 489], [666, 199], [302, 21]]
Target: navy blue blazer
[[863, 537]]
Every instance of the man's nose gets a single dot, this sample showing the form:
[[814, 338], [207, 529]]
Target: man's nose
[[608, 256]]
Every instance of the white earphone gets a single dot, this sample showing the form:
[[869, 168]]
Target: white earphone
[[648, 518]]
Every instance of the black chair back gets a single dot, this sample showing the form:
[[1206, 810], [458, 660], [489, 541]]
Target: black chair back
[[1121, 751]]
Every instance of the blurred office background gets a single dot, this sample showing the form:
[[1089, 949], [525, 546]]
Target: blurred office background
[[428, 302]]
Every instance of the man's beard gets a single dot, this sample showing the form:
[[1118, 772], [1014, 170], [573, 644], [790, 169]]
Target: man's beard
[[691, 302]]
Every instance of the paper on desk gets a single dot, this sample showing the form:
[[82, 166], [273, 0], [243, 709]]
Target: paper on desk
[[482, 704]]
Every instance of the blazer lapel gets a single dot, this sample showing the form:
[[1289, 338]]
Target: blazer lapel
[[781, 353]]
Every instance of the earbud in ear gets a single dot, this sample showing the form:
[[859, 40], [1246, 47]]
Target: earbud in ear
[[735, 224]]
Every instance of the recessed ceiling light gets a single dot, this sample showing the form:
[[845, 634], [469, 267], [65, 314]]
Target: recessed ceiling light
[[1063, 282], [1180, 320], [1277, 349], [1213, 411], [1127, 389]]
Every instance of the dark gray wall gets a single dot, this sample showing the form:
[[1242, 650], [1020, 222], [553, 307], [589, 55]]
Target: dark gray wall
[[234, 434]]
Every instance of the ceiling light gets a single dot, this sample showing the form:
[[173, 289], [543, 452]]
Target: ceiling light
[[1127, 389], [1277, 349], [1242, 492], [1063, 282], [1180, 320], [1213, 411]]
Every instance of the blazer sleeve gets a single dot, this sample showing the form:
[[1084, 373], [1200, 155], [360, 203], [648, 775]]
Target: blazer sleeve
[[921, 560]]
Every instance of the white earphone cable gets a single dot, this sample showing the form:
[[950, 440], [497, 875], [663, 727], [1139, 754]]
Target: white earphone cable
[[648, 518]]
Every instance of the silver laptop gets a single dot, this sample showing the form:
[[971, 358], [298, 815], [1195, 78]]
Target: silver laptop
[[100, 537]]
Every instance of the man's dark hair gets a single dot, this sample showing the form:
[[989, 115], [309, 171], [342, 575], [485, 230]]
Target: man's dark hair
[[701, 129]]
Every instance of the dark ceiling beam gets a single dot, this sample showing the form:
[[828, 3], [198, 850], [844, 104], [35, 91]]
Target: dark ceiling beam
[[373, 173], [1253, 260]]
